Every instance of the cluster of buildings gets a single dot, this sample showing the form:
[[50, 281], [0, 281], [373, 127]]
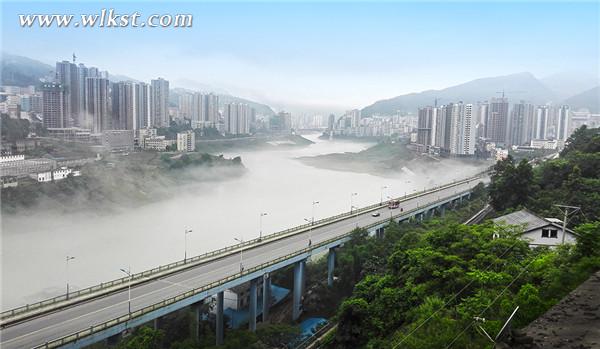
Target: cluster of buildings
[[15, 167], [352, 124], [80, 103], [460, 129], [84, 97]]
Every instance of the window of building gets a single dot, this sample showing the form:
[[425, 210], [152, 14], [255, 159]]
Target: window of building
[[545, 233], [553, 233]]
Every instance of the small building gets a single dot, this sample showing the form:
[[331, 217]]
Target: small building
[[186, 141], [55, 175], [537, 230], [117, 140]]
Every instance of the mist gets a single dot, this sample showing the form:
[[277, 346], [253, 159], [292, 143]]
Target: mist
[[218, 210]]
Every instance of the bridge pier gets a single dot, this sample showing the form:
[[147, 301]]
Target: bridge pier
[[155, 323], [197, 311], [219, 319], [266, 297], [252, 307], [298, 289], [330, 266]]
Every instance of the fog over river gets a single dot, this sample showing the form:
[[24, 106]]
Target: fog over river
[[34, 247]]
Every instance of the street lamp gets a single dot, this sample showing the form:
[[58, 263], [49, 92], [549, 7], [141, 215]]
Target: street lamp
[[260, 223], [187, 231], [381, 197], [351, 202], [241, 241], [313, 212], [67, 272], [128, 273]]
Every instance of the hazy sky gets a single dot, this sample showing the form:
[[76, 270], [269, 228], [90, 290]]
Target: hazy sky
[[322, 56]]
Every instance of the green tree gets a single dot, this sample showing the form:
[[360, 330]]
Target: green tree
[[588, 239], [143, 338]]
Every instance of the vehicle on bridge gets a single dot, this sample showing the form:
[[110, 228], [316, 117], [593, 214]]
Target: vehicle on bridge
[[393, 204]]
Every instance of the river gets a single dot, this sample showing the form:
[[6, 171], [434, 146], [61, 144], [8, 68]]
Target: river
[[34, 247]]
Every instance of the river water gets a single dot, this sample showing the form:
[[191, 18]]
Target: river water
[[34, 247]]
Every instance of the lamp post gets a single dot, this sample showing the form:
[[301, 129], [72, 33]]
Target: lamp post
[[241, 241], [313, 212], [67, 272], [260, 223], [187, 231], [128, 273], [352, 195], [381, 196]]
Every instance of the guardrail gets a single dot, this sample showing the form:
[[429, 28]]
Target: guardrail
[[114, 285], [122, 319]]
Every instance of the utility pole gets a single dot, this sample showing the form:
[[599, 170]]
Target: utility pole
[[568, 210]]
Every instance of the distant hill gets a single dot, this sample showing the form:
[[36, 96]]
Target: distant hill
[[23, 71], [589, 99], [261, 109], [516, 86], [567, 84]]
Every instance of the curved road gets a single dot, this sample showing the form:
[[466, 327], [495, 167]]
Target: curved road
[[38, 330]]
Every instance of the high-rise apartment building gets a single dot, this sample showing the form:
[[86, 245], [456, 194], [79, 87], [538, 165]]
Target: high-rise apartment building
[[521, 125], [496, 124], [97, 104], [53, 105], [425, 125], [159, 97], [204, 110], [185, 102], [141, 105], [562, 123], [540, 123], [237, 118], [123, 106]]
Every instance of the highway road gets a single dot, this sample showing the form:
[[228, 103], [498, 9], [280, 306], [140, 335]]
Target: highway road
[[36, 331]]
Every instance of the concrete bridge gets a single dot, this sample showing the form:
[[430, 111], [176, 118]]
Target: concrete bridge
[[102, 311]]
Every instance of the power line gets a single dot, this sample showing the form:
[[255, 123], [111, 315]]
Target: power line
[[451, 299], [489, 305]]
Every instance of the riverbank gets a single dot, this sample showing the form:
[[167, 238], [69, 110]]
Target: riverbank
[[281, 142], [387, 159], [120, 181]]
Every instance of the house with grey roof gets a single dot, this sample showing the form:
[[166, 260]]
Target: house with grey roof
[[537, 230]]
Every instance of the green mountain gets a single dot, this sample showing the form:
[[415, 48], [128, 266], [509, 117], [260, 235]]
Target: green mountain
[[516, 86]]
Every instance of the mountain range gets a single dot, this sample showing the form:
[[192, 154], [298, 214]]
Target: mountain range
[[24, 71], [520, 86]]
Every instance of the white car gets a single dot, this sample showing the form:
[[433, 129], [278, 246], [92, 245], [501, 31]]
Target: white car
[[375, 214]]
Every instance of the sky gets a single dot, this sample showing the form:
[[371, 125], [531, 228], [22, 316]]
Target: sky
[[321, 57]]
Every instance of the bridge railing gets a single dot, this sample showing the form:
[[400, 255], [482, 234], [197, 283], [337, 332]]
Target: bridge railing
[[166, 302], [141, 277]]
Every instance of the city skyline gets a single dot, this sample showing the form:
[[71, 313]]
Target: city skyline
[[281, 55]]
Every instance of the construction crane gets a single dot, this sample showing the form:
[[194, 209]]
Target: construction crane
[[503, 92]]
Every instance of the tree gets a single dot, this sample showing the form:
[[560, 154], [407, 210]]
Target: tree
[[143, 338], [353, 325], [588, 239]]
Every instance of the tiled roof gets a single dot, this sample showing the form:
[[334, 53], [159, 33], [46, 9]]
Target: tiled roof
[[523, 217]]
